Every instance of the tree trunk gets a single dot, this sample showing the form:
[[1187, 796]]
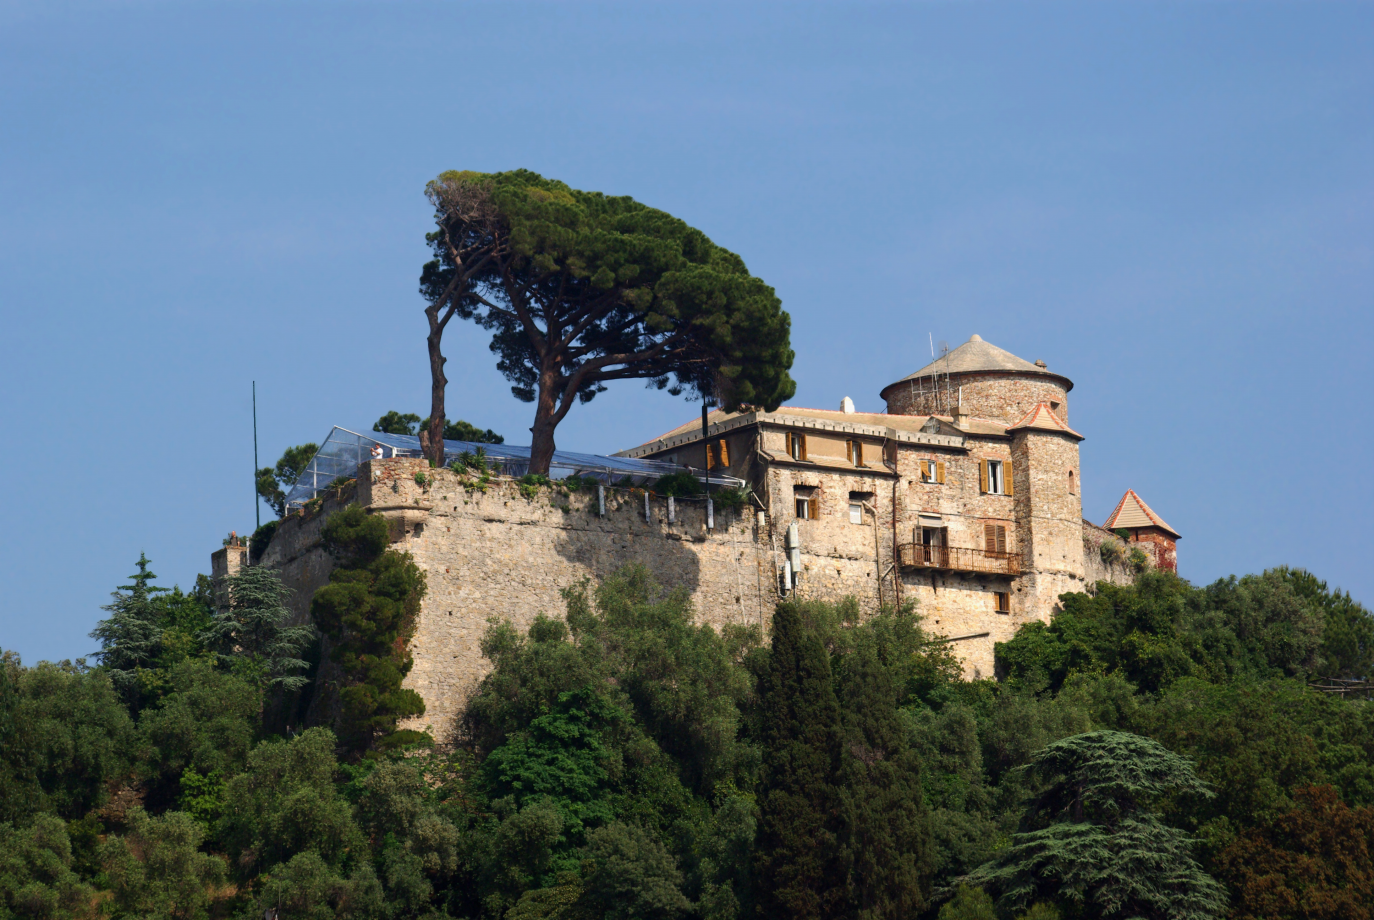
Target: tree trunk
[[434, 449], [545, 421]]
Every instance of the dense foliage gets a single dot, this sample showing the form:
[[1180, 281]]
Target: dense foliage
[[1156, 752], [274, 482], [408, 423]]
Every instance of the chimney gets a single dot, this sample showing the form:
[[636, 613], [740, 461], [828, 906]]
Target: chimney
[[1040, 364], [960, 416], [847, 406]]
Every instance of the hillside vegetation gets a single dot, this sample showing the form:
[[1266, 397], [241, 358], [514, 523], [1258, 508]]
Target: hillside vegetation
[[1155, 752]]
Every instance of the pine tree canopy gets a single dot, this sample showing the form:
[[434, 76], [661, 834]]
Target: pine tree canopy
[[580, 288]]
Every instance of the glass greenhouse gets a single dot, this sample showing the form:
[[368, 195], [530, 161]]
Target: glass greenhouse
[[344, 451]]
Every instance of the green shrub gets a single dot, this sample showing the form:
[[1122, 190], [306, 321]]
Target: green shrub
[[1137, 559], [1111, 552], [678, 485], [530, 484]]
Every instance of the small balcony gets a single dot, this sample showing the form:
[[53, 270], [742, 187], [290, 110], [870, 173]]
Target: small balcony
[[958, 559]]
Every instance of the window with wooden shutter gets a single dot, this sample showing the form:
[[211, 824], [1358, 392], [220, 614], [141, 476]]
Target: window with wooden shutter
[[724, 452], [1006, 478], [855, 451], [711, 461], [796, 446], [1002, 599], [925, 470], [983, 475], [995, 538]]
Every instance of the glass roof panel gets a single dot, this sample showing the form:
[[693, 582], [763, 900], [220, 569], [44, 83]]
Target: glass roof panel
[[344, 451]]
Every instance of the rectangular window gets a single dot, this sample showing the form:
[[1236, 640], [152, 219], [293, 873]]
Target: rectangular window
[[994, 477], [995, 538], [855, 451], [807, 501], [718, 454], [933, 472], [803, 508], [856, 506], [1003, 601], [796, 446]]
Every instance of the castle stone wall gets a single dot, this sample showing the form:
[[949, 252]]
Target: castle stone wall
[[1002, 396]]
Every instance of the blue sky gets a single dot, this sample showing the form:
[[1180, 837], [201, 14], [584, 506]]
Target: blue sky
[[1171, 203]]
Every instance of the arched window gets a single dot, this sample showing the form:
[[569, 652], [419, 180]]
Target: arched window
[[1071, 483]]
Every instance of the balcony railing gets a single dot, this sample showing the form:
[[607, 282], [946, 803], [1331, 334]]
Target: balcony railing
[[959, 559]]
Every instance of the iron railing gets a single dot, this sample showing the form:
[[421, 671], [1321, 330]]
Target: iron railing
[[958, 559]]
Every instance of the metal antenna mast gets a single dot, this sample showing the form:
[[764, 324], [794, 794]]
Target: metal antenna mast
[[257, 505]]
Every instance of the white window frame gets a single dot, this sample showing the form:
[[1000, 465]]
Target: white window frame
[[856, 512], [996, 481], [802, 505]]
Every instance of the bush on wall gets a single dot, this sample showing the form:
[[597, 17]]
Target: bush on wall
[[368, 610]]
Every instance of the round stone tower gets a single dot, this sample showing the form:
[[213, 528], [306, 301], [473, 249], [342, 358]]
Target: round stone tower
[[981, 380]]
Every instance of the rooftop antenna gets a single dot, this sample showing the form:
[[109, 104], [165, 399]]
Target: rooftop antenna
[[932, 345], [257, 505]]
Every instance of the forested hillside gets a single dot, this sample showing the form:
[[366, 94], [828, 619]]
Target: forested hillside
[[1155, 752]]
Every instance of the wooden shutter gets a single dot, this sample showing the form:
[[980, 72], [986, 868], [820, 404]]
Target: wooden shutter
[[723, 457], [1007, 488], [858, 453], [813, 507], [983, 475], [925, 470], [990, 537], [1001, 539], [940, 471], [801, 439], [710, 456]]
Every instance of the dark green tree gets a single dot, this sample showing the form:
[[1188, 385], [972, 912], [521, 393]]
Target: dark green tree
[[274, 482], [368, 610], [799, 864], [253, 634], [71, 739], [1091, 842], [887, 836], [633, 877], [396, 423], [37, 878], [129, 637], [156, 870], [579, 289]]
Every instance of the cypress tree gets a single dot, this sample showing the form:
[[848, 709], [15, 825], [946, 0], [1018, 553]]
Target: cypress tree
[[887, 835], [801, 872], [368, 610]]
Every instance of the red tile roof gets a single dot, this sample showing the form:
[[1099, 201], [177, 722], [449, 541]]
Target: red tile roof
[[1043, 417]]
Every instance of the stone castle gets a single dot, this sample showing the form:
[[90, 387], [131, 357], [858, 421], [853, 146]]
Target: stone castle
[[962, 498]]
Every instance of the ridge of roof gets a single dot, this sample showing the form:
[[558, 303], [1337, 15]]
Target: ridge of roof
[[977, 355], [1132, 511], [1043, 417], [986, 426]]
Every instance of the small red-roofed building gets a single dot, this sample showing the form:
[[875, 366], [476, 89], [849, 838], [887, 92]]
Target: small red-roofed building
[[1145, 527]]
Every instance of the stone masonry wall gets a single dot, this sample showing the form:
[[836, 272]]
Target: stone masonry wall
[[498, 554], [1005, 397]]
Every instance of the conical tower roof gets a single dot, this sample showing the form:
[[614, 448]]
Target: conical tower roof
[[1132, 512], [975, 356]]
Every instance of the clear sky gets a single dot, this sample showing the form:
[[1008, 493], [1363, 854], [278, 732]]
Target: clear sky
[[1170, 203]]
